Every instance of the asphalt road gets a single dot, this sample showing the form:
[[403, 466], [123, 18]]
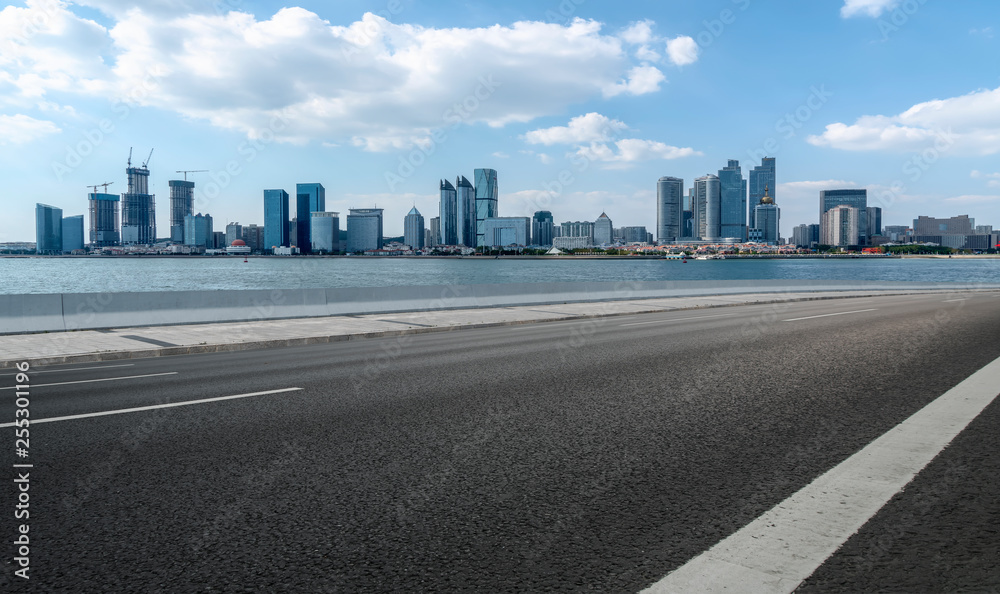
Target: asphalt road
[[592, 455]]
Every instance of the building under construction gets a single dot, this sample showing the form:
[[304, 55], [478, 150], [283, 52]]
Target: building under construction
[[181, 205], [138, 207], [104, 230]]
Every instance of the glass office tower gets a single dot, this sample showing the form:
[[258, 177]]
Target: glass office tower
[[669, 209], [487, 199], [275, 219], [733, 202], [762, 177], [48, 229], [449, 214]]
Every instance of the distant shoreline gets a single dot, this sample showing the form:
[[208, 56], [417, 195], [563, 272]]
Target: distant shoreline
[[529, 257]]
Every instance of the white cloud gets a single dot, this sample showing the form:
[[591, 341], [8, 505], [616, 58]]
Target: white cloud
[[646, 54], [973, 199], [969, 124], [638, 33], [501, 155], [682, 50], [640, 80], [976, 174], [632, 150], [871, 8], [19, 129], [591, 127], [372, 83]]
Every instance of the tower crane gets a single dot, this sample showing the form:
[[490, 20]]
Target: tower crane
[[104, 185], [148, 159], [186, 172]]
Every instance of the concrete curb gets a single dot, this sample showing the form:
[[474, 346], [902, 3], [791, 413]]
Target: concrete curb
[[102, 356]]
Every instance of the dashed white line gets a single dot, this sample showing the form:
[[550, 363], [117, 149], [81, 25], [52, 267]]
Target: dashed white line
[[676, 320], [780, 549], [154, 407], [839, 313], [105, 379], [34, 372], [954, 300]]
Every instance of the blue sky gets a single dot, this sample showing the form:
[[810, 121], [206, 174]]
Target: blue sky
[[579, 105]]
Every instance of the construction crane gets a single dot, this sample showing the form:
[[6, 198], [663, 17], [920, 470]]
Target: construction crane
[[186, 172], [104, 185], [130, 157], [148, 159]]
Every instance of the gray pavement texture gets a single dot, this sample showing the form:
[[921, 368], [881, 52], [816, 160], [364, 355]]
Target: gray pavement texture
[[156, 341], [585, 455]]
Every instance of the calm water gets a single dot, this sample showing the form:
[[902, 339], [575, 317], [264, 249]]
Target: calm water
[[94, 275]]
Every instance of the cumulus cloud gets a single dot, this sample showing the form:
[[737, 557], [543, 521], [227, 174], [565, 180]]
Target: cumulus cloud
[[591, 127], [19, 129], [629, 151], [973, 199], [870, 8], [969, 123], [682, 50], [372, 83], [638, 33]]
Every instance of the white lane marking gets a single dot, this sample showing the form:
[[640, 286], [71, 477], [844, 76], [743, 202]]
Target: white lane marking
[[840, 313], [33, 372], [780, 549], [154, 407], [105, 379], [676, 320], [954, 300]]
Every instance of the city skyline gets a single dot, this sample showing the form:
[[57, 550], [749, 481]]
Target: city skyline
[[637, 95]]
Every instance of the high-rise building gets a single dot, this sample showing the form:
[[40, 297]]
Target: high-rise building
[[293, 232], [449, 214], [584, 229], [413, 229], [634, 235], [961, 225], [253, 236], [104, 230], [841, 226], [465, 207], [873, 225], [309, 198], [234, 231], [855, 198], [324, 232], [72, 233], [767, 216], [732, 202], [506, 231], [138, 209], [198, 231], [707, 207], [275, 219], [800, 236], [364, 229], [435, 229], [181, 205], [541, 228], [48, 229], [219, 240], [487, 200], [763, 176], [604, 230], [669, 209]]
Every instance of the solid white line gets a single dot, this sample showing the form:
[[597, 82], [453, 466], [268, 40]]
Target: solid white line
[[954, 300], [154, 407], [33, 372], [676, 320], [106, 379], [842, 313], [783, 547]]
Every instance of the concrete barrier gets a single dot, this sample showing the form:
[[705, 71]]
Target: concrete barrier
[[93, 311]]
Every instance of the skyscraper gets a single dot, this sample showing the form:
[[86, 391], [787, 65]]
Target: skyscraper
[[506, 231], [541, 228], [761, 177], [48, 229], [873, 225], [364, 229], [324, 232], [72, 233], [708, 197], [309, 198], [733, 202], [435, 230], [449, 214], [275, 219], [604, 230], [669, 209], [841, 226], [487, 200], [768, 219], [855, 198], [104, 230], [413, 229], [138, 209], [466, 212], [198, 231], [181, 205]]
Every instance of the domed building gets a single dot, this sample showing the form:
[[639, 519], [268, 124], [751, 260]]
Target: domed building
[[767, 217], [238, 248]]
